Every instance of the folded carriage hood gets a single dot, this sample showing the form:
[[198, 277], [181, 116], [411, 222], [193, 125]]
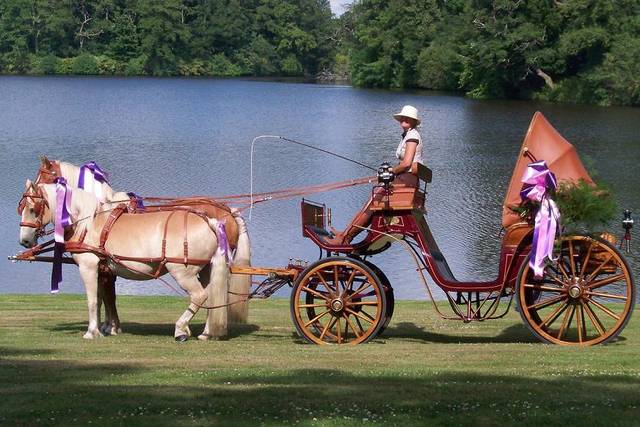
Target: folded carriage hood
[[543, 142]]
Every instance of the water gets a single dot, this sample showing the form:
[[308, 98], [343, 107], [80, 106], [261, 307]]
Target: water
[[193, 136]]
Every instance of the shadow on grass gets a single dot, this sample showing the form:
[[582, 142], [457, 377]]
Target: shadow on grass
[[8, 352], [69, 391], [517, 333], [156, 329]]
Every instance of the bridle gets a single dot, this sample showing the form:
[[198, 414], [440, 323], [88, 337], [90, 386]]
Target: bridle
[[47, 174], [40, 205]]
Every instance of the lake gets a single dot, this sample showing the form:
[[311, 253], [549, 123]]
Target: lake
[[167, 137]]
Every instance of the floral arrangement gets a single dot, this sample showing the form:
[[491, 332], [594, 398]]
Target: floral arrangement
[[581, 205]]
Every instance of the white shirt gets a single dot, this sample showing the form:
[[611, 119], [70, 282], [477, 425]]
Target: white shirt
[[411, 134]]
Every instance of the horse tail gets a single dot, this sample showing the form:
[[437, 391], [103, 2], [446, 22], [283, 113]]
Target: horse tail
[[218, 287], [240, 284]]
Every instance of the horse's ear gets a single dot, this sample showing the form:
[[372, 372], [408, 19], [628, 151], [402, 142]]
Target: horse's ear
[[28, 184], [45, 161]]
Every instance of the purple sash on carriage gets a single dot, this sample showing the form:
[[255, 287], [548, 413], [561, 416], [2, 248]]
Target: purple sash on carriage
[[538, 180], [62, 220]]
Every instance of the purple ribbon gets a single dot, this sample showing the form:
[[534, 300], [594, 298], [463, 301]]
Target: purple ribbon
[[98, 174], [95, 176], [538, 180], [138, 200], [223, 242], [62, 220]]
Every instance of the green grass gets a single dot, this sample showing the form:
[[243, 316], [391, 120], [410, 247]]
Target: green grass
[[422, 371]]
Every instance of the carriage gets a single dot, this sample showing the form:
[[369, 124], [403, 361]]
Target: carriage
[[585, 296]]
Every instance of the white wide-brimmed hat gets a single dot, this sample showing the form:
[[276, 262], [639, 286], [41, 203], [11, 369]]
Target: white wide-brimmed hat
[[408, 111]]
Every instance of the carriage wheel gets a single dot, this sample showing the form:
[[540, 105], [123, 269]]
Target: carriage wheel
[[586, 297], [338, 301], [388, 291]]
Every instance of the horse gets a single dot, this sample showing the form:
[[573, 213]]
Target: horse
[[131, 245], [237, 233]]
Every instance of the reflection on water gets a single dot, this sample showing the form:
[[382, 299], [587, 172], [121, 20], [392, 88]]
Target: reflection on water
[[192, 136]]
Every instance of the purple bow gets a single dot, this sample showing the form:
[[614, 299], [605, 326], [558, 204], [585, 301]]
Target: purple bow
[[223, 242], [98, 174], [538, 180], [138, 200], [62, 220]]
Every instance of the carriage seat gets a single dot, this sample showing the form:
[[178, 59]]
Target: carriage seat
[[401, 197]]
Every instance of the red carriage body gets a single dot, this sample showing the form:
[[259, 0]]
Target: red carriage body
[[563, 307]]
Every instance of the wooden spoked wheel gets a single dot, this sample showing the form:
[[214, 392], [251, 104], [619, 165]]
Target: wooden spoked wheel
[[388, 291], [338, 301], [586, 297]]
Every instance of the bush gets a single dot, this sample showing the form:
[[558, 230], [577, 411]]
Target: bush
[[220, 65], [85, 64], [290, 66], [135, 66], [195, 68], [64, 66], [48, 64], [107, 65]]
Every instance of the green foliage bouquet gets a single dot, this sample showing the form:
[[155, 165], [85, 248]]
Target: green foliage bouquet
[[583, 205]]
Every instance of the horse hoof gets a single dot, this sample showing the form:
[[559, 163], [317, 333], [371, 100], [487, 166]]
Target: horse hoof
[[92, 335], [204, 337], [182, 338]]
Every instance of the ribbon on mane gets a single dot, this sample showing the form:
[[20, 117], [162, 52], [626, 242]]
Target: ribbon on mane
[[137, 199], [91, 177], [539, 180], [62, 219], [223, 242]]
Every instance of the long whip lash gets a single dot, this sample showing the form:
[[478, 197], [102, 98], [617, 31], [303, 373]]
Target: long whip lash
[[282, 138]]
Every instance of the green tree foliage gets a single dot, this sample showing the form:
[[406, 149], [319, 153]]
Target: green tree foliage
[[562, 50], [165, 37]]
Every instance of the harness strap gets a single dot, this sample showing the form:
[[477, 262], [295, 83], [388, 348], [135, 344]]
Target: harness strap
[[108, 225], [185, 242]]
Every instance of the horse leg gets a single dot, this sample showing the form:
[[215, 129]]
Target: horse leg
[[88, 267], [186, 278], [107, 289], [204, 277], [240, 284]]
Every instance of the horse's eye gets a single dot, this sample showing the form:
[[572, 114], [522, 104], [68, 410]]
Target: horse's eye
[[31, 211]]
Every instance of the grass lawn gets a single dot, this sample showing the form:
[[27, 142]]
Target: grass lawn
[[421, 371]]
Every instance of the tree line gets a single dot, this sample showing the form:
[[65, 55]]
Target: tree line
[[165, 37], [584, 51]]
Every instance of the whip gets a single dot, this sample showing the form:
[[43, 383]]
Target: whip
[[282, 138]]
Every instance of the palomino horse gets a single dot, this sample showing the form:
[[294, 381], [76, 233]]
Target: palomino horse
[[137, 246], [238, 236]]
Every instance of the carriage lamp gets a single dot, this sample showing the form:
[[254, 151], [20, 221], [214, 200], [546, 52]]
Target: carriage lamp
[[385, 174], [627, 224]]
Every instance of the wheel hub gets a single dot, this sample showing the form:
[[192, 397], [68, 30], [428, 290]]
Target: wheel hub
[[575, 288], [575, 291], [337, 305]]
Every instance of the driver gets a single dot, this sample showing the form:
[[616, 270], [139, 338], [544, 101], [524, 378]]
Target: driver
[[409, 151]]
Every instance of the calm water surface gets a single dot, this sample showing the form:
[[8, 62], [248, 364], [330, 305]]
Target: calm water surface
[[188, 136]]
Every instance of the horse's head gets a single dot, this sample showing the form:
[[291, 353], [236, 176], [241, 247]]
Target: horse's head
[[34, 213], [48, 172]]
